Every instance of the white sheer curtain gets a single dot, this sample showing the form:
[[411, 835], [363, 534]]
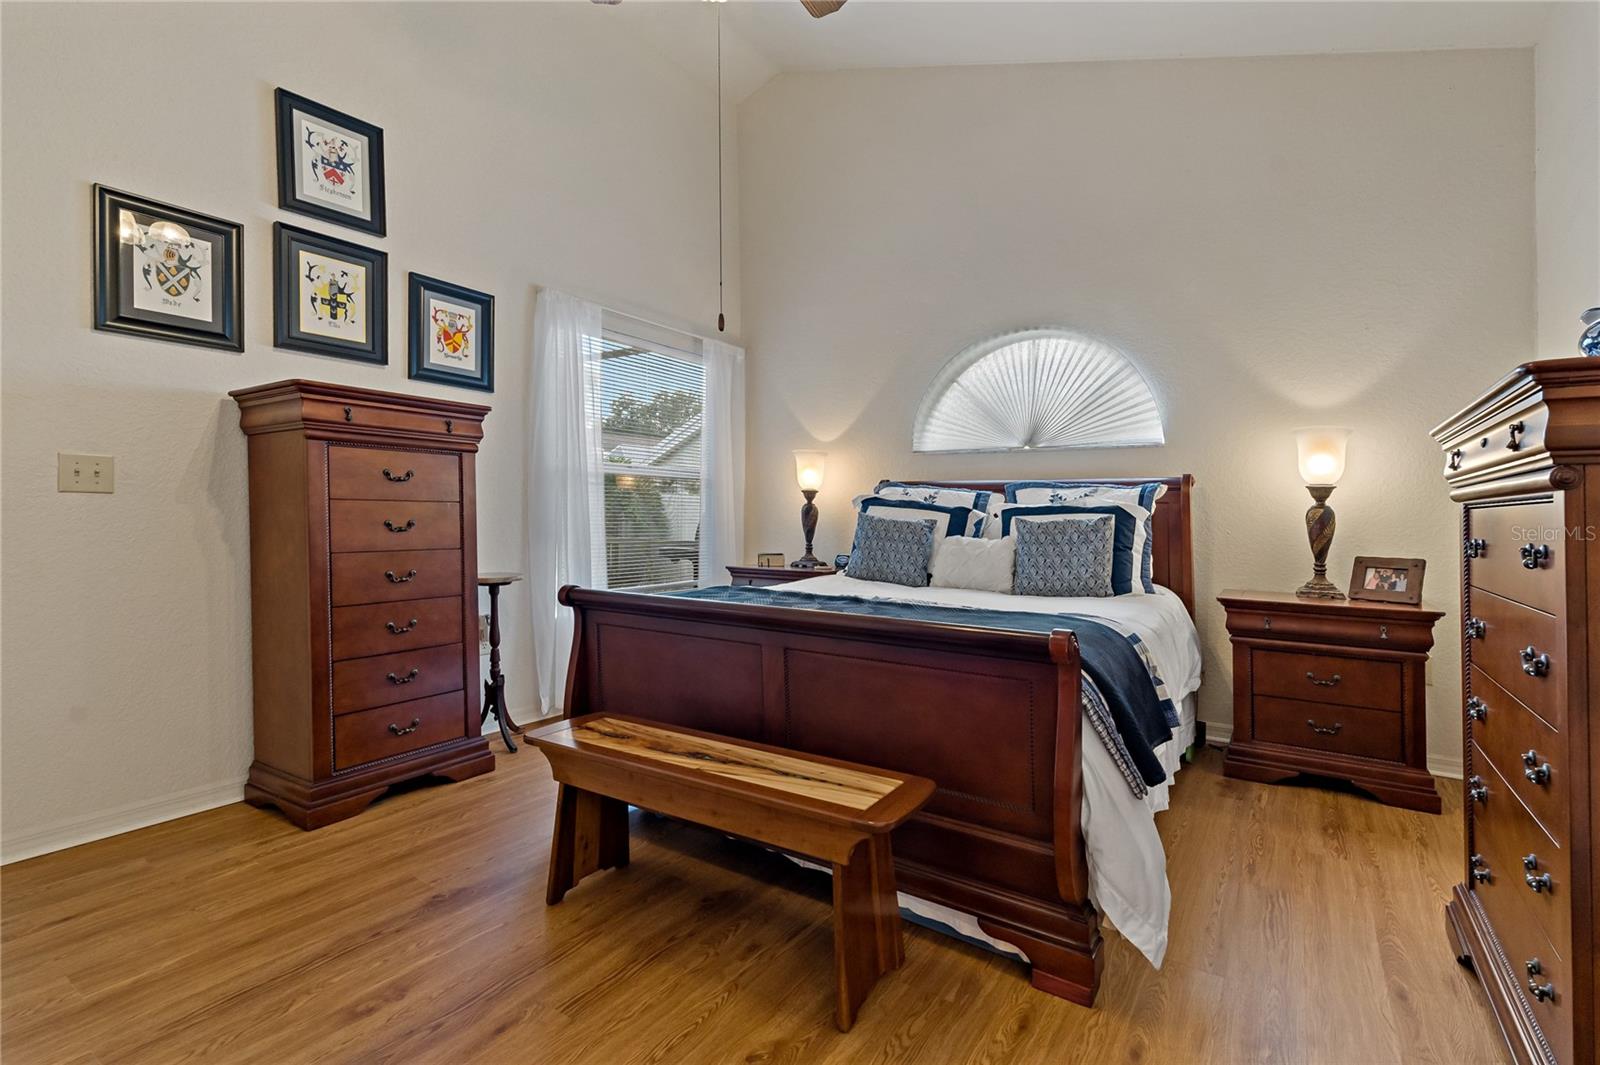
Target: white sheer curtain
[[722, 462], [565, 493]]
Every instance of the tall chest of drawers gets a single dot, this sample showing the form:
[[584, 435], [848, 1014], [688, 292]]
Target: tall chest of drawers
[[1524, 462], [363, 586]]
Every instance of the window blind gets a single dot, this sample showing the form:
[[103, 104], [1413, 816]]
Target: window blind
[[651, 397]]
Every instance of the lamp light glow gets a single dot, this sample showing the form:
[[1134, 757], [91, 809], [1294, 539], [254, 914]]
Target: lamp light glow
[[1322, 454], [808, 469]]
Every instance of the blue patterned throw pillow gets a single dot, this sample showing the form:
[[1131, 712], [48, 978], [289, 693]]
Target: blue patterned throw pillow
[[892, 550], [1065, 557]]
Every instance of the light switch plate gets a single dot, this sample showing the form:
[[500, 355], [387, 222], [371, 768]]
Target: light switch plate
[[85, 473]]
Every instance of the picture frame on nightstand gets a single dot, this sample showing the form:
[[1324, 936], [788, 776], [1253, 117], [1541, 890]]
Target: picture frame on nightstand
[[1387, 580]]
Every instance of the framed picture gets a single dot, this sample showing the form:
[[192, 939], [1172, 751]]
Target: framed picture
[[166, 273], [329, 297], [770, 558], [330, 164], [1387, 580], [452, 334]]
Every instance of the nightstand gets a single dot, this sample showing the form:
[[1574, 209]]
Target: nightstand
[[762, 576], [1333, 688]]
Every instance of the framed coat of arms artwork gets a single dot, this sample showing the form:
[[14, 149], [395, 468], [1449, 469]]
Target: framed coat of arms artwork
[[329, 296], [330, 165], [452, 334], [167, 273]]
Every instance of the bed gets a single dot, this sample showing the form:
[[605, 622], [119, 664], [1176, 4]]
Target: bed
[[993, 716]]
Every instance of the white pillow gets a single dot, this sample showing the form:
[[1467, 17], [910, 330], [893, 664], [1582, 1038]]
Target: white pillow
[[968, 562]]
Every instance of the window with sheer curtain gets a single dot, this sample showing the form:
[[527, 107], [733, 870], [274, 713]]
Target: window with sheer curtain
[[651, 397]]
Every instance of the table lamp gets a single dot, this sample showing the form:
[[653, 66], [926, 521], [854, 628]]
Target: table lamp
[[808, 474], [1322, 452]]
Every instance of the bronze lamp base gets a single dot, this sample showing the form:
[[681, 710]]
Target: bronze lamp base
[[1319, 530]]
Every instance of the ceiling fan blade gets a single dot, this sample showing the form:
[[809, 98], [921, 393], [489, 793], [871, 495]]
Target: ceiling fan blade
[[818, 8]]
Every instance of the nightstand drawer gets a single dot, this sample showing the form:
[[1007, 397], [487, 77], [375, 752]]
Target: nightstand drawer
[[1325, 678], [1352, 730]]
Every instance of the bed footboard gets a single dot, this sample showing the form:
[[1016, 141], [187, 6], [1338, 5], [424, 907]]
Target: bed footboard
[[992, 717]]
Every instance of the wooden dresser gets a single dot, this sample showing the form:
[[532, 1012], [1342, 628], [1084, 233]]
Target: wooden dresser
[[1333, 688], [1524, 461], [363, 587]]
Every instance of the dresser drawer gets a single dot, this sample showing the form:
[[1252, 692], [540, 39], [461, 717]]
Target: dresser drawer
[[1352, 730], [387, 576], [1521, 553], [384, 628], [380, 525], [1326, 678], [1513, 438], [1506, 836], [368, 473], [362, 682], [385, 731], [1506, 731], [1500, 633]]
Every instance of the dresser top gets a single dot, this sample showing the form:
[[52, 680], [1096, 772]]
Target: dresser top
[[327, 411], [326, 390], [1289, 603]]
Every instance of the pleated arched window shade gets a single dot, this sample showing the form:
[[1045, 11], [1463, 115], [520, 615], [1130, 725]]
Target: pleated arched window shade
[[1039, 388]]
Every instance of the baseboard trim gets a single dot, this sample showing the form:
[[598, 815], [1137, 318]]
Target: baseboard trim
[[1440, 765], [114, 822]]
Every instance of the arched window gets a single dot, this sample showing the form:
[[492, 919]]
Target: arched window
[[1039, 388]]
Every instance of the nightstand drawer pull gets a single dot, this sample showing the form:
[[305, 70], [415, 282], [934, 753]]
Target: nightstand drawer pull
[[1533, 555], [1477, 790], [407, 527], [1536, 772], [416, 723], [1474, 628], [400, 630], [392, 579], [1535, 664], [1477, 709], [1330, 682], [401, 478], [1325, 730], [407, 679]]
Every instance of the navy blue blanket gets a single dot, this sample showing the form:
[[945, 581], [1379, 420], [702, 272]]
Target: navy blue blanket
[[1133, 716]]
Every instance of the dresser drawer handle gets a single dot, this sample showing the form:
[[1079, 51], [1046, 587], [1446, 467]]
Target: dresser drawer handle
[[1474, 628], [1536, 772], [1530, 862], [399, 630], [389, 575], [1480, 869], [407, 679], [407, 527], [1539, 884], [1535, 664], [1477, 790], [389, 475], [1533, 555], [1477, 548], [1325, 730], [416, 723], [1542, 992], [1477, 709], [1517, 429], [1455, 459], [1330, 682]]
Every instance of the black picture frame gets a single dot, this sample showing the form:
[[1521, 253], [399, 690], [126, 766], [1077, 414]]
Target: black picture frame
[[128, 279], [295, 295], [364, 138], [424, 365]]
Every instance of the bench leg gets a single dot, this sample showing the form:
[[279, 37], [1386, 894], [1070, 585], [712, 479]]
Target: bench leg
[[866, 926], [590, 833]]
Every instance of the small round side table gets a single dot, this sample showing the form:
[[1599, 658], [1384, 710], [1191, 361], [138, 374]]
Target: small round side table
[[494, 689]]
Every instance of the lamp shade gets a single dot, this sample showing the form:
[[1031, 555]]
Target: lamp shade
[[808, 467], [1321, 451]]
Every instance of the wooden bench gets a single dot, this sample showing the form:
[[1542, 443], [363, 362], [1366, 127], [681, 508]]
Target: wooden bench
[[821, 808]]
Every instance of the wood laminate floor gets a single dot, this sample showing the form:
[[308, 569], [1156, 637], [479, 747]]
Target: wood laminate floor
[[1306, 927]]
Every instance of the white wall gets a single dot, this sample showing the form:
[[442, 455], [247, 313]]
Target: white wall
[[526, 145], [1278, 242], [1567, 172]]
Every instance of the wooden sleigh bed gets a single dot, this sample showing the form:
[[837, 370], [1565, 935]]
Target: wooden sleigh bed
[[992, 717]]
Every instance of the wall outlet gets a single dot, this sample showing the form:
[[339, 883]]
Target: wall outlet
[[85, 473]]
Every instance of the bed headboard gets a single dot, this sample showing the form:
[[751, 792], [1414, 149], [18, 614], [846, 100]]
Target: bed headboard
[[1172, 563]]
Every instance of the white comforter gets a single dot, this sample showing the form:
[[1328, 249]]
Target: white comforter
[[1127, 865]]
